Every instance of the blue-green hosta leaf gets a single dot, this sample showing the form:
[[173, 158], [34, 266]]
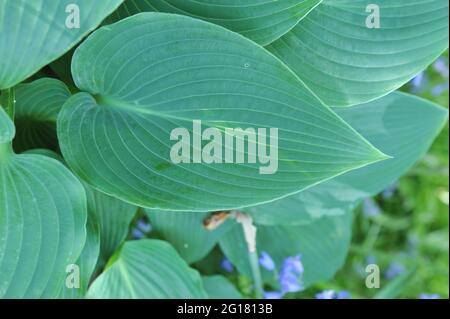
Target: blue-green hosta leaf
[[147, 269], [107, 227], [34, 33], [37, 106], [7, 129], [109, 216], [152, 73], [346, 63], [42, 223], [185, 231], [259, 20], [87, 260], [113, 217], [399, 124], [219, 287], [323, 245]]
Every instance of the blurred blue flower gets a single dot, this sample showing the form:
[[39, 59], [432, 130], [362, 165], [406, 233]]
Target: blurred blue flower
[[137, 234], [389, 191], [226, 265], [395, 269], [273, 295], [343, 295], [441, 67], [266, 261], [418, 82], [439, 89], [291, 275], [371, 259], [429, 296], [326, 294], [370, 207], [331, 294], [144, 226]]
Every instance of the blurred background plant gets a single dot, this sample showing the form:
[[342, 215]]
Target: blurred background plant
[[405, 229]]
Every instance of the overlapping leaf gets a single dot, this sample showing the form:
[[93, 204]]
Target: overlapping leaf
[[154, 72], [87, 260], [42, 222], [259, 20], [113, 217], [148, 269], [37, 106], [399, 124], [34, 33], [186, 232], [346, 63]]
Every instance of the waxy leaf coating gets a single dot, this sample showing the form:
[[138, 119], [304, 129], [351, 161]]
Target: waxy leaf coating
[[152, 73], [147, 269], [34, 33], [343, 57], [259, 20]]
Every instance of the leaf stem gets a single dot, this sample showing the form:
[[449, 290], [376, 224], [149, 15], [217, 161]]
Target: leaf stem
[[8, 101], [250, 237], [256, 273]]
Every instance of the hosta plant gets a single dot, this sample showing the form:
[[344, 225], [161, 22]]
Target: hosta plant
[[144, 142]]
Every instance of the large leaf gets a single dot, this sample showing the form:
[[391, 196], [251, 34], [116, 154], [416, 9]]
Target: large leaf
[[346, 63], [185, 231], [42, 222], [399, 124], [148, 269], [218, 287], [37, 107], [259, 20], [154, 72], [34, 33], [113, 217], [323, 245]]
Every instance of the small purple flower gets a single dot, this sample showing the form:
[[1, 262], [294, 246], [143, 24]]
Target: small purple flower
[[326, 294], [273, 295], [343, 295], [370, 207], [137, 234], [395, 269], [266, 261], [144, 226], [429, 296], [291, 275], [441, 67], [226, 265]]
